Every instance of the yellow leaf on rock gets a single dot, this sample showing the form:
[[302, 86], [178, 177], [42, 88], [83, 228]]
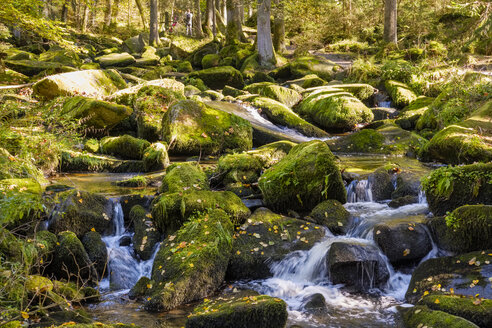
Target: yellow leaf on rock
[[25, 315], [406, 252], [437, 301], [92, 229]]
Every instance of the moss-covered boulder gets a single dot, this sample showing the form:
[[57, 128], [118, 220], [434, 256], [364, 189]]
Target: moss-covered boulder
[[62, 56], [80, 211], [90, 83], [422, 316], [210, 60], [284, 95], [467, 228], [304, 178], [388, 138], [308, 81], [463, 143], [334, 111], [191, 264], [95, 114], [402, 242], [169, 211], [184, 176], [233, 92], [155, 157], [268, 237], [218, 77], [97, 252], [255, 311], [37, 285], [130, 96], [125, 146], [410, 114], [360, 91], [146, 235], [116, 60], [466, 274], [10, 77], [357, 265], [448, 188], [400, 93], [70, 260], [32, 67], [195, 128], [307, 65], [331, 214], [280, 114], [74, 161], [381, 183]]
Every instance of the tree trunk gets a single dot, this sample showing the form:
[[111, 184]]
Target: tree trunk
[[209, 18], [234, 25], [142, 13], [107, 14], [279, 28], [115, 10], [85, 18], [264, 37], [390, 17], [223, 9], [64, 12], [93, 13], [154, 24], [198, 20]]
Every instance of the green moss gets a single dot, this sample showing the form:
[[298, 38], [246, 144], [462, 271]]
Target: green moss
[[125, 146], [308, 81], [195, 128], [184, 66], [423, 316], [38, 285], [72, 161], [31, 67], [64, 57], [137, 181], [170, 210], [146, 235], [97, 252], [210, 60], [141, 289], [304, 178], [230, 91], [191, 264], [184, 176], [91, 145], [448, 188], [219, 77], [116, 60], [155, 157], [400, 93], [279, 114], [284, 95], [259, 311], [359, 90], [332, 214], [307, 65]]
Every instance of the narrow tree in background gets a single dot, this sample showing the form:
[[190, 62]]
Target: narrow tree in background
[[390, 17], [107, 14], [234, 25], [264, 37], [154, 24], [141, 11], [209, 17], [279, 27], [198, 20]]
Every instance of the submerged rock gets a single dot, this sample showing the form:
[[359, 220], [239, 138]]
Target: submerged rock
[[356, 265], [256, 311], [194, 128], [191, 264], [267, 238], [303, 178]]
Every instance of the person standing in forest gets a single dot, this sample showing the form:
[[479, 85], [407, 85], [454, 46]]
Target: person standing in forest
[[189, 21]]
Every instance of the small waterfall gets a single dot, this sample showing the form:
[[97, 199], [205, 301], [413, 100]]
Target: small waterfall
[[359, 191], [118, 218]]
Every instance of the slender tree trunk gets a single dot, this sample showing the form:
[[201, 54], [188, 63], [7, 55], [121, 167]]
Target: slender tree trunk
[[142, 13], [234, 25], [223, 9], [209, 18], [250, 9], [115, 10], [64, 12], [85, 18], [266, 53], [154, 24], [390, 20], [198, 20], [107, 14], [279, 28], [93, 13]]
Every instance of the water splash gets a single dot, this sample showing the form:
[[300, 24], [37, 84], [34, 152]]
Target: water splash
[[359, 191]]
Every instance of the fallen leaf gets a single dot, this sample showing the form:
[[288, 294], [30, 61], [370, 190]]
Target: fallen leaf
[[406, 252]]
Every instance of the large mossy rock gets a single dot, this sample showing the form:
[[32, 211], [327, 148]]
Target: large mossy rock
[[116, 60], [155, 157], [286, 96], [422, 316], [130, 96], [307, 65], [467, 274], [126, 146], [338, 111], [74, 161], [32, 67], [268, 237], [304, 178], [170, 210], [331, 214], [402, 242], [280, 114], [305, 82], [361, 91], [448, 188], [95, 114], [184, 176], [357, 265], [463, 143], [234, 311], [467, 228], [191, 264], [218, 77], [97, 252], [146, 235], [388, 138], [64, 57], [195, 128], [400, 93], [90, 83], [80, 211]]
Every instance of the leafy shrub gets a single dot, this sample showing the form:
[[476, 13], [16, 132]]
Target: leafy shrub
[[364, 70], [399, 70]]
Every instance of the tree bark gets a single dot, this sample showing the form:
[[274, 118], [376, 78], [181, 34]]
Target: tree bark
[[85, 18], [154, 24], [198, 20], [107, 14], [279, 28], [234, 25], [93, 13], [266, 54], [64, 12], [115, 10], [390, 20], [209, 17], [142, 13]]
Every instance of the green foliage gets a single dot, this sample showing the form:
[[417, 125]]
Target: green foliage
[[364, 70], [399, 70]]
